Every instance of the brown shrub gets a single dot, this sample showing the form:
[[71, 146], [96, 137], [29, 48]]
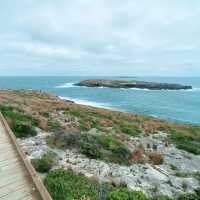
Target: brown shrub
[[156, 158], [138, 155], [104, 123]]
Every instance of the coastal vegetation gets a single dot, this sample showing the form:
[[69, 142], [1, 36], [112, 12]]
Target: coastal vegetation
[[125, 194], [104, 147], [45, 163], [118, 144], [89, 119], [66, 185], [23, 117], [22, 124], [187, 139]]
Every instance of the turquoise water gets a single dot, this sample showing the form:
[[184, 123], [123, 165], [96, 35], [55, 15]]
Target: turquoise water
[[182, 106]]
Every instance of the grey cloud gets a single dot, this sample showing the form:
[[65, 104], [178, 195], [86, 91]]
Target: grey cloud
[[101, 36]]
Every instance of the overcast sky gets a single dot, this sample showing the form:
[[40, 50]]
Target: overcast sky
[[100, 37]]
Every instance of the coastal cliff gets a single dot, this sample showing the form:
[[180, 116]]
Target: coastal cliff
[[133, 84]]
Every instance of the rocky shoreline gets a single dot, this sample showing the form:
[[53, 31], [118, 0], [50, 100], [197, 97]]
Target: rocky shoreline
[[133, 84]]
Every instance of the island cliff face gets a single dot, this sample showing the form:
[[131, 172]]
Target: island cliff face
[[133, 84]]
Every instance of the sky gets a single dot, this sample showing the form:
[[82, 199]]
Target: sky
[[100, 37]]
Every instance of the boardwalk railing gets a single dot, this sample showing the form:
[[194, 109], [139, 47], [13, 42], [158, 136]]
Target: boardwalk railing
[[31, 171]]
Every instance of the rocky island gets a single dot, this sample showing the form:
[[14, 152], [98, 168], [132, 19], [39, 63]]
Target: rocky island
[[133, 84], [88, 153]]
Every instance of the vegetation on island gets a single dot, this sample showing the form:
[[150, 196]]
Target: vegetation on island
[[132, 84]]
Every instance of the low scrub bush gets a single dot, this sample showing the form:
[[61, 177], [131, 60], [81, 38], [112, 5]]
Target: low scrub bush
[[196, 175], [102, 147], [45, 114], [162, 198], [156, 158], [181, 174], [66, 185], [45, 163], [125, 194], [23, 125], [190, 196], [23, 129], [187, 139], [130, 129], [108, 142]]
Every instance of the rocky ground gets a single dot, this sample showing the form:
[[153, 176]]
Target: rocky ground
[[163, 157], [174, 176]]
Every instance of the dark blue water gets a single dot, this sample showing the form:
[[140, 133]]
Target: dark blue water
[[182, 106]]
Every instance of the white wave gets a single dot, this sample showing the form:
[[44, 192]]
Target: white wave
[[155, 116], [194, 89], [88, 103], [66, 85], [186, 90], [140, 89]]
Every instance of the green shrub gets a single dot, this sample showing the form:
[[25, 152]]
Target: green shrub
[[23, 129], [17, 115], [197, 192], [189, 196], [22, 125], [129, 129], [196, 175], [125, 194], [189, 142], [66, 185], [91, 151], [161, 198], [73, 111], [108, 142], [45, 114], [181, 174], [45, 163], [121, 155], [101, 147]]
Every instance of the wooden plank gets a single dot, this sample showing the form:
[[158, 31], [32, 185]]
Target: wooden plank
[[10, 168], [18, 194], [13, 180], [8, 157], [8, 149], [11, 161], [14, 187], [13, 177]]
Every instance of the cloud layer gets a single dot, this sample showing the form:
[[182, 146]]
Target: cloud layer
[[101, 37]]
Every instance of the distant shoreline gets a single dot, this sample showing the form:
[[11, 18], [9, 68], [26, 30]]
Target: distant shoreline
[[107, 107]]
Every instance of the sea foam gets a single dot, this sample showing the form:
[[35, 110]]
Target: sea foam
[[88, 103], [66, 85]]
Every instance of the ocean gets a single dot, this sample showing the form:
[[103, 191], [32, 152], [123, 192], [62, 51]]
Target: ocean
[[182, 106]]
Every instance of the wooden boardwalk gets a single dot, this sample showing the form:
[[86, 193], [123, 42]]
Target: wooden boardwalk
[[18, 179]]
